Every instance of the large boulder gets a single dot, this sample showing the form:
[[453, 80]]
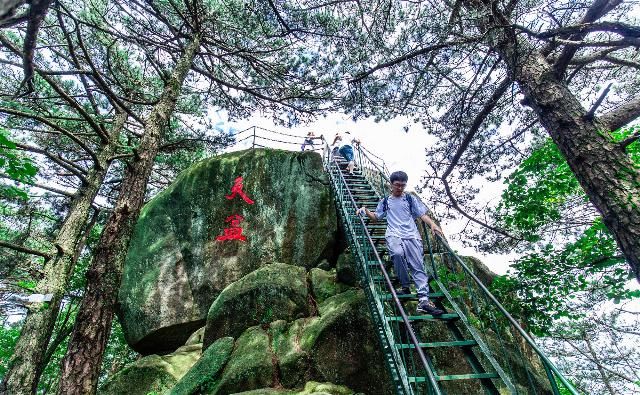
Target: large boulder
[[201, 377], [176, 268], [343, 346], [274, 292], [153, 373], [338, 346]]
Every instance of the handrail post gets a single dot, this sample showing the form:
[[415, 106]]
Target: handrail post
[[427, 236], [254, 138]]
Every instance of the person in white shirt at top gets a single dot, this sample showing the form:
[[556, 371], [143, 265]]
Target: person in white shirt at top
[[403, 239], [346, 148]]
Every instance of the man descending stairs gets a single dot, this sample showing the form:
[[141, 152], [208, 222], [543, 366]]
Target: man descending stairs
[[403, 239]]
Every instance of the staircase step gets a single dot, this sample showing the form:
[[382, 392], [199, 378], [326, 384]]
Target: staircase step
[[469, 376], [347, 176], [371, 205], [459, 343], [367, 198], [381, 278], [377, 231], [361, 185], [427, 317], [432, 295], [451, 377]]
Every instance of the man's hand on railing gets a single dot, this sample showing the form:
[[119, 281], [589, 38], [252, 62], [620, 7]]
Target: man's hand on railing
[[436, 229], [363, 210], [432, 224]]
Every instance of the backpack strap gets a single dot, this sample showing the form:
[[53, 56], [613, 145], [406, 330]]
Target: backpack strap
[[410, 201], [385, 203]]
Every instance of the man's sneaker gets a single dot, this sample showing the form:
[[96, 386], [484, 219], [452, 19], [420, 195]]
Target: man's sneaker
[[429, 308]]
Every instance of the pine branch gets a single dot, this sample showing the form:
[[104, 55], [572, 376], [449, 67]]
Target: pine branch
[[621, 115], [26, 250], [54, 126]]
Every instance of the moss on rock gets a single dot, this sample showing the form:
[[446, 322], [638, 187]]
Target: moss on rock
[[343, 346], [196, 337], [250, 366], [324, 284], [311, 388], [152, 373], [202, 376], [273, 292], [175, 268]]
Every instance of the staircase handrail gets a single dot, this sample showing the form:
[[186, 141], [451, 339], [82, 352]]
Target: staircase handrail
[[514, 323], [362, 149], [384, 171]]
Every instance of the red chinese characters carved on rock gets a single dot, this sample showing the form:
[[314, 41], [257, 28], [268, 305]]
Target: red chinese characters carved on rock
[[234, 232], [236, 189]]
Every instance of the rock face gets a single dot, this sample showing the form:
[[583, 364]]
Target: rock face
[[274, 292], [176, 268], [153, 373], [319, 340], [337, 344]]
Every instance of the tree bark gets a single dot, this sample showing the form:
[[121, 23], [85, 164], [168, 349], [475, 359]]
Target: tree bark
[[25, 365], [603, 168], [81, 365]]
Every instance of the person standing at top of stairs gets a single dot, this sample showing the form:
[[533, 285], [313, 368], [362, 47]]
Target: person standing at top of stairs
[[346, 148], [403, 239]]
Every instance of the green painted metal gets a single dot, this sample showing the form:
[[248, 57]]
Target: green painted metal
[[467, 376], [432, 295], [411, 367], [460, 343], [427, 317], [457, 377]]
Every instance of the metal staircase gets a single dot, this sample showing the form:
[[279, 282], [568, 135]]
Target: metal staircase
[[501, 358]]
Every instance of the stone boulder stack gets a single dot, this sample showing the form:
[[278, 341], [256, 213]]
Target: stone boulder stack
[[308, 335], [176, 267]]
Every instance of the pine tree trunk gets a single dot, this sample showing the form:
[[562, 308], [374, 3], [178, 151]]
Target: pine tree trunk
[[25, 365], [81, 365], [603, 168]]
